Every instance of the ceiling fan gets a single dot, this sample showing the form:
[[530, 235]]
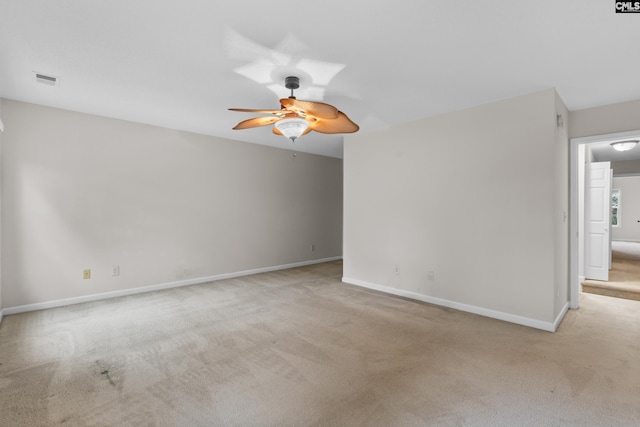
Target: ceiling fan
[[297, 117]]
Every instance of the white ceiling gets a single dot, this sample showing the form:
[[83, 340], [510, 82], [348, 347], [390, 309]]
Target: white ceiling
[[604, 152], [182, 64]]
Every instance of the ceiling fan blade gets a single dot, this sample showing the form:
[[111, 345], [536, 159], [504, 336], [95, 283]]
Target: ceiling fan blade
[[342, 124], [249, 110], [255, 122], [317, 109]]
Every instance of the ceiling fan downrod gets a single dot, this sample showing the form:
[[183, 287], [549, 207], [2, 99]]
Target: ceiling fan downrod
[[292, 82]]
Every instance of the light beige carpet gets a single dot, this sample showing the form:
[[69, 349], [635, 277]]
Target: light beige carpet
[[299, 348], [624, 276]]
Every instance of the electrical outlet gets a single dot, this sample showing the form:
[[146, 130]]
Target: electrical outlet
[[313, 247], [396, 269], [86, 274], [115, 270], [431, 275]]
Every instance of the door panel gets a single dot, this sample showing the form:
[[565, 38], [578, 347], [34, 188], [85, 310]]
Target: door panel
[[598, 245], [597, 220]]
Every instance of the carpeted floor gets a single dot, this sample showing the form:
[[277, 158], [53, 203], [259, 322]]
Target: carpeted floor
[[299, 348], [624, 276]]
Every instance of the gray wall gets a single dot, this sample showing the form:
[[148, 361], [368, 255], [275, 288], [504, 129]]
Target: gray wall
[[478, 197], [621, 117], [626, 167], [629, 229], [87, 192]]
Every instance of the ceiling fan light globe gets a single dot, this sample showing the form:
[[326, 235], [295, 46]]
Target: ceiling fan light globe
[[292, 128], [624, 145]]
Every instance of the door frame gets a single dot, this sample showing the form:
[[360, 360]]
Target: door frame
[[574, 232]]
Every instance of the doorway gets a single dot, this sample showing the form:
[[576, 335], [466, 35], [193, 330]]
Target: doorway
[[576, 206]]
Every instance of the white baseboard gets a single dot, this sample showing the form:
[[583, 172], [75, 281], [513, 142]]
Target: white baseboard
[[507, 317], [151, 288]]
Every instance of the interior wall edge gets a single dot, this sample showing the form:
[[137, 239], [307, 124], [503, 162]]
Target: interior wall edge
[[157, 287], [1, 200], [481, 311], [560, 316]]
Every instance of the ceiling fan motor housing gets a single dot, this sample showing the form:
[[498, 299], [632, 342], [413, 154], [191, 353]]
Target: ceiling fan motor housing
[[292, 82]]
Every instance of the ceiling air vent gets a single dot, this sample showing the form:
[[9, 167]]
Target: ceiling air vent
[[45, 79]]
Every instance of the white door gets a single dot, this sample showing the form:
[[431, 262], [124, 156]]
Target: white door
[[597, 220]]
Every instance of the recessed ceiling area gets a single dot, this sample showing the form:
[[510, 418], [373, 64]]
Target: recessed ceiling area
[[604, 152], [181, 65]]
